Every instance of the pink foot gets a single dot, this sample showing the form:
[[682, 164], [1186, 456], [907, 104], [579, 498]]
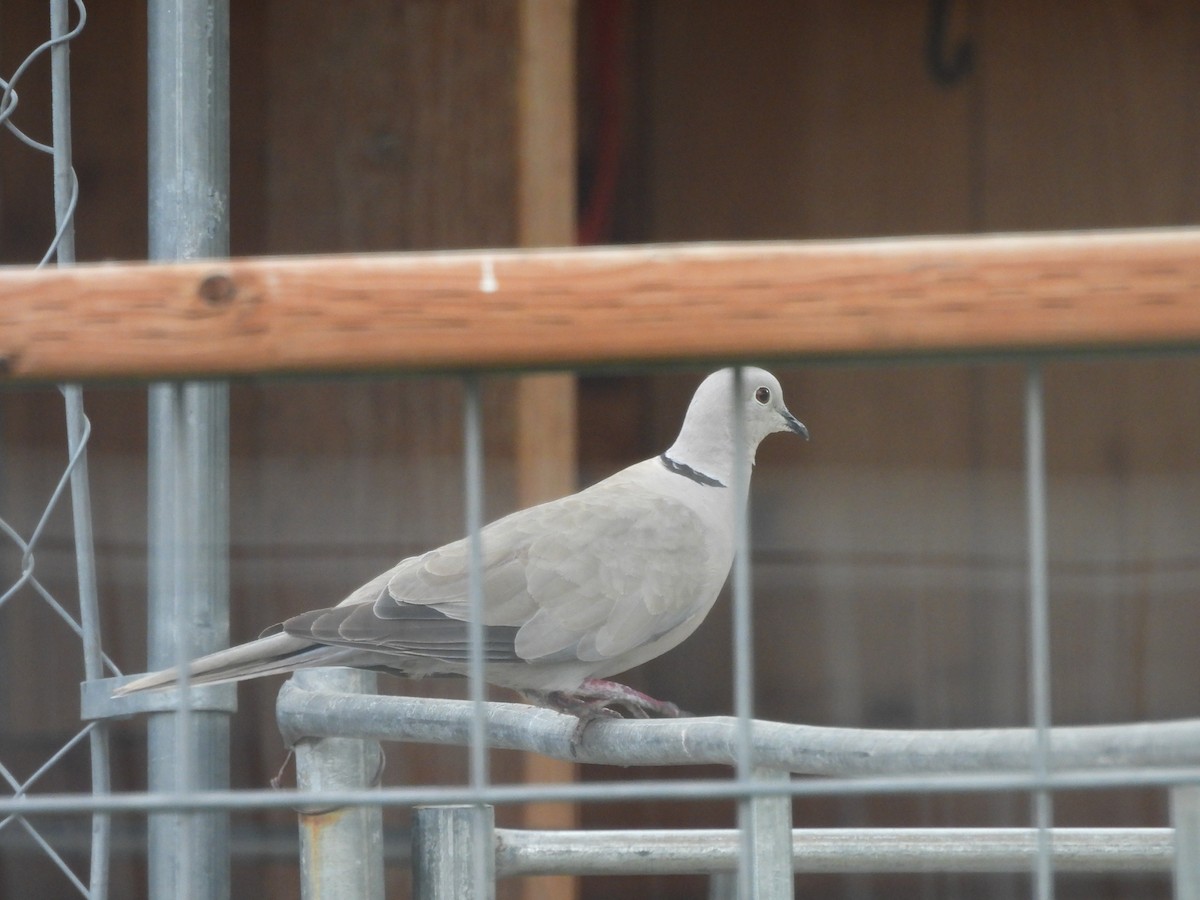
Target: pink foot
[[612, 694], [600, 699]]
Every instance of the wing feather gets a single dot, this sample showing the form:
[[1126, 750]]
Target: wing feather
[[585, 578]]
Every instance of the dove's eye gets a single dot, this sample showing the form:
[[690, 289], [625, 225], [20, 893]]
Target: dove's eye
[[763, 395]]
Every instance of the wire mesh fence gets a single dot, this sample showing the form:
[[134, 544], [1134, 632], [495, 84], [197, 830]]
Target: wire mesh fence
[[27, 586], [458, 850], [851, 762]]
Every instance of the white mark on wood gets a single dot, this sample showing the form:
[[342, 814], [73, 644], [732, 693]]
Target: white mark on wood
[[487, 277]]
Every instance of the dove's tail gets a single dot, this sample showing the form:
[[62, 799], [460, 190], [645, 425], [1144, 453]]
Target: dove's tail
[[271, 655]]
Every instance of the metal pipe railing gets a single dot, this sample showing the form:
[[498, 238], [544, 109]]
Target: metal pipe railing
[[776, 749], [833, 850], [799, 749]]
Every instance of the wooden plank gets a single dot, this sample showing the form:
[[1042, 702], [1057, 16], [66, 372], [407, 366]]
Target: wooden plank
[[545, 437], [1087, 114], [581, 308], [545, 139], [545, 460], [391, 128], [834, 129]]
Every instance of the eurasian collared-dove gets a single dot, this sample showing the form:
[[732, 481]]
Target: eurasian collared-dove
[[575, 590]]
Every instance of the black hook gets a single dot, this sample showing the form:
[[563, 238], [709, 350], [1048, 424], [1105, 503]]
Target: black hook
[[945, 68]]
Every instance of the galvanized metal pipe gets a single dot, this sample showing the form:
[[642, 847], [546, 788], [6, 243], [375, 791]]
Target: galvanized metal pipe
[[65, 197], [770, 850], [750, 819], [1185, 817], [833, 851], [60, 121], [89, 621], [188, 747], [448, 844], [480, 772], [801, 749], [1039, 623], [189, 462], [666, 790], [341, 848]]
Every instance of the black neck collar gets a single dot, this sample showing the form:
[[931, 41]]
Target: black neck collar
[[687, 471]]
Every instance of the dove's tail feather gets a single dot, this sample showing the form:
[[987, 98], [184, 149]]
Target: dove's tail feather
[[272, 655]]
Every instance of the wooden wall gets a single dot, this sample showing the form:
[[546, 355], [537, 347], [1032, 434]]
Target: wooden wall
[[401, 126], [889, 576], [890, 587]]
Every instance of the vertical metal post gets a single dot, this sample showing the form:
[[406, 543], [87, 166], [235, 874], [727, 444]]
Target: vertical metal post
[[765, 823], [188, 616], [1185, 817], [743, 646], [478, 750], [65, 197], [189, 455], [1039, 623], [722, 885], [341, 850], [772, 818], [60, 111], [447, 843], [89, 619]]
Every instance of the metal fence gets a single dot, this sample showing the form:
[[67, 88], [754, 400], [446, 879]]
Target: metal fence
[[27, 587], [335, 722]]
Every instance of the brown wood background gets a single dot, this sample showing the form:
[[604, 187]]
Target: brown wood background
[[888, 578]]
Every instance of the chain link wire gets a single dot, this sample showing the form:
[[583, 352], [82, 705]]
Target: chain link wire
[[28, 586]]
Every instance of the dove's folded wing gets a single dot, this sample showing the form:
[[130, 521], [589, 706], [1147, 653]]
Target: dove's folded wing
[[605, 584], [586, 578]]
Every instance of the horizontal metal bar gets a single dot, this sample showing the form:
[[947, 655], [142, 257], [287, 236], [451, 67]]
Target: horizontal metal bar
[[96, 699], [601, 792], [524, 852], [599, 307], [263, 842], [836, 850], [801, 749]]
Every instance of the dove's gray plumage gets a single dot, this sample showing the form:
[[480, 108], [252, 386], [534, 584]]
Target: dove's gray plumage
[[576, 589]]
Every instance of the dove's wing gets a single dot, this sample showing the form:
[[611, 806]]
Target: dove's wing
[[605, 583], [583, 579]]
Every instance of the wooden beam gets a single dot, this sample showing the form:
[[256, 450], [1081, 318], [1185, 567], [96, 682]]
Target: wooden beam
[[545, 433], [545, 461], [588, 308]]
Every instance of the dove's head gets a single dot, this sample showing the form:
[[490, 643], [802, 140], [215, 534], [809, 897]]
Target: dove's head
[[706, 440]]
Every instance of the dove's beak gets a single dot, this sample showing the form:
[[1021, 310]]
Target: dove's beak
[[795, 424]]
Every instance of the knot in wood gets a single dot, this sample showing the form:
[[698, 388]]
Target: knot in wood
[[217, 290]]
